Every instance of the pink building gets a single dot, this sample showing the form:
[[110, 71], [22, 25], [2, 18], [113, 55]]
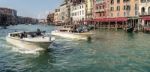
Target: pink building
[[100, 9]]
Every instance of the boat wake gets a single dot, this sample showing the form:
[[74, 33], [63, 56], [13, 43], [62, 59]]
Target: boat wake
[[11, 48], [22, 50], [27, 50]]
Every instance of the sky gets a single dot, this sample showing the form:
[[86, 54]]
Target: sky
[[32, 8]]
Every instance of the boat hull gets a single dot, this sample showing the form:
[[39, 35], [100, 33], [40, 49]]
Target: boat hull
[[76, 36], [26, 44]]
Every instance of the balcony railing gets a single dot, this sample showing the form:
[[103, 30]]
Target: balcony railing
[[143, 13], [98, 2], [99, 10]]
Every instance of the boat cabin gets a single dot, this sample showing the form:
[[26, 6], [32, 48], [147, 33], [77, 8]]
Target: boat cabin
[[26, 34], [68, 28]]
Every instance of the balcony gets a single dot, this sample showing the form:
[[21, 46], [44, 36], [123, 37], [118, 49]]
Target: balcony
[[99, 10], [143, 13], [99, 2]]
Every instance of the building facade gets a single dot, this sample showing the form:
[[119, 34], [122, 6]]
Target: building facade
[[127, 10], [56, 16], [26, 20], [8, 11], [116, 13], [100, 9], [8, 16], [144, 7], [64, 16], [78, 12], [89, 9], [50, 18], [123, 8], [144, 13]]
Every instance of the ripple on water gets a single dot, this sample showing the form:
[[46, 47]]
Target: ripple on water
[[11, 48], [109, 51], [27, 50]]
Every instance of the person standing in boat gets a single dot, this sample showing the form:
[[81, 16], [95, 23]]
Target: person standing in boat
[[74, 28], [38, 33]]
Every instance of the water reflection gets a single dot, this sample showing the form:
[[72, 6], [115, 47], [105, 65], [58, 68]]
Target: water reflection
[[131, 36]]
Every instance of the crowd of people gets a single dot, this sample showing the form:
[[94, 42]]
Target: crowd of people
[[81, 28]]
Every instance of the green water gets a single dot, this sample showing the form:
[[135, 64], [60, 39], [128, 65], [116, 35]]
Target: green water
[[109, 51]]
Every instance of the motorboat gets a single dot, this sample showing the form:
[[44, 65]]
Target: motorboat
[[29, 40], [69, 32]]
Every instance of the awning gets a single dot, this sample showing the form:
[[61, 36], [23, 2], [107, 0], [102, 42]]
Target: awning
[[146, 18], [118, 19]]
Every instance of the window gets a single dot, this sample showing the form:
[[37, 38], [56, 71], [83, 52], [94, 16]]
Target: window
[[111, 14], [118, 1], [148, 10], [100, 7], [112, 1], [80, 12], [112, 9], [124, 13], [136, 6], [83, 12], [143, 11], [127, 7], [126, 0], [136, 13], [103, 6], [118, 8]]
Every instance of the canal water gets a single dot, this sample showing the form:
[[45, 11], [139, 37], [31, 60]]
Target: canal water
[[108, 51]]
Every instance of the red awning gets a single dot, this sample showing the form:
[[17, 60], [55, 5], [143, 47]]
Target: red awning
[[119, 19], [146, 18]]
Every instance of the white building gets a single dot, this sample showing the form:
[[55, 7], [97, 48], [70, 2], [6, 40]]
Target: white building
[[144, 12], [78, 12], [63, 13], [57, 15], [144, 7]]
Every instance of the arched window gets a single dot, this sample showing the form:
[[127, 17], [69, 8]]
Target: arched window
[[148, 10], [143, 11]]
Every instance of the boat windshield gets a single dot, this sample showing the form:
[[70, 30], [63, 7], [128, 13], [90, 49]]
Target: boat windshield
[[76, 28]]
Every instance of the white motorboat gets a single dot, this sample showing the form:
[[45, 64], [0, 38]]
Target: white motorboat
[[30, 40], [67, 32]]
